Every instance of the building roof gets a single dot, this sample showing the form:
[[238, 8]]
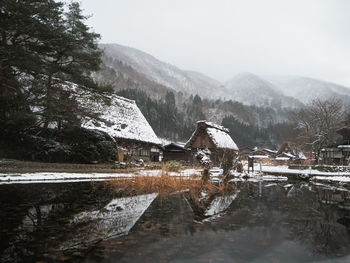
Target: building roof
[[119, 117], [218, 134]]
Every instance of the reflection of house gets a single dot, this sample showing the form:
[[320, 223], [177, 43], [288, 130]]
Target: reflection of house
[[214, 137], [176, 152], [122, 119], [207, 207], [113, 220], [338, 154], [219, 204]]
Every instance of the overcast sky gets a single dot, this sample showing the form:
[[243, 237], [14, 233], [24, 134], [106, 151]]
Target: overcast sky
[[221, 38]]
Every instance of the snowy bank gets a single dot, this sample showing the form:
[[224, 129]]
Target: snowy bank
[[343, 179], [46, 177], [282, 169]]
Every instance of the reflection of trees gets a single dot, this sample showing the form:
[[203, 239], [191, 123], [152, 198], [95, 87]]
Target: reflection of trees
[[71, 217], [314, 219], [34, 215]]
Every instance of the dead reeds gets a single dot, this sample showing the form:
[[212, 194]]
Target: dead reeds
[[162, 184]]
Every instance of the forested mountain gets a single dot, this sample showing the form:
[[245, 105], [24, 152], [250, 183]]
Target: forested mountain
[[253, 90], [175, 120], [173, 100], [152, 70], [256, 109]]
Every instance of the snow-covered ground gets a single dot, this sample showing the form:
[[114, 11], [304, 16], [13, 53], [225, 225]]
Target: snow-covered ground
[[283, 169], [215, 175], [79, 177], [343, 179]]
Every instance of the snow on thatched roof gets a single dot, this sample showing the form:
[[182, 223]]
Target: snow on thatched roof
[[119, 117], [218, 134]]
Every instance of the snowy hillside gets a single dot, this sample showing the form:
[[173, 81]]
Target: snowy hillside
[[130, 68], [160, 72], [253, 90], [306, 89]]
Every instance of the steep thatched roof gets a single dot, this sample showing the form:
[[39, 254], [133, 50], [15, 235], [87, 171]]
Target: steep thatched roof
[[218, 134]]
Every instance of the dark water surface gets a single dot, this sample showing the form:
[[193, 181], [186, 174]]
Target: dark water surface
[[253, 222]]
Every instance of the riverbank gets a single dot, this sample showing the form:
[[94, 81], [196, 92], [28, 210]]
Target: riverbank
[[11, 166]]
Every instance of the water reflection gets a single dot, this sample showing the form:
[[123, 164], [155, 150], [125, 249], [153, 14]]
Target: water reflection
[[113, 220], [250, 222]]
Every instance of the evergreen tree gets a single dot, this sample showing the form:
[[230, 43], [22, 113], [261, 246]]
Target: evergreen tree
[[42, 49], [25, 30]]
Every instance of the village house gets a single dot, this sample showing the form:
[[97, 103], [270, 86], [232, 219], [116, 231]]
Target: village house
[[213, 137], [176, 152], [287, 154], [263, 155], [338, 154], [122, 119]]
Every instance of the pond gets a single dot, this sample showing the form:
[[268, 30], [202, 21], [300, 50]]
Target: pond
[[251, 222]]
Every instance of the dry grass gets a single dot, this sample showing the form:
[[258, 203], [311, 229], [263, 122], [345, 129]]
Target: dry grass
[[163, 184], [172, 166]]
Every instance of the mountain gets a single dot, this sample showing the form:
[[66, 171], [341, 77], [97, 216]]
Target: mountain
[[250, 89], [306, 89], [138, 67], [130, 68]]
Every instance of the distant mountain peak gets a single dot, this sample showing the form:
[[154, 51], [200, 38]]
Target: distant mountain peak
[[163, 73]]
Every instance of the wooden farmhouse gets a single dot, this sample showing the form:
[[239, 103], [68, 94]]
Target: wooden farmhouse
[[176, 152], [338, 154], [214, 137], [123, 120], [288, 154]]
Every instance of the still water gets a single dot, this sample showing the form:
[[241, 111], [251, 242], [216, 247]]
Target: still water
[[253, 222]]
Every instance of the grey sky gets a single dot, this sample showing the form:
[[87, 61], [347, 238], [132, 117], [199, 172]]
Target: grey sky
[[221, 38]]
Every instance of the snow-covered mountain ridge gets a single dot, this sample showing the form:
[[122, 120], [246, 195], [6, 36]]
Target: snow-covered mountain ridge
[[128, 67]]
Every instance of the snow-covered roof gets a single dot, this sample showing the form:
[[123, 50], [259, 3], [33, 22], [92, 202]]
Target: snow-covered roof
[[221, 139], [214, 125], [282, 158], [288, 155], [269, 150], [119, 117], [259, 156], [344, 146], [218, 134]]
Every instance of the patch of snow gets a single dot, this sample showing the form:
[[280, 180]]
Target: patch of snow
[[344, 179], [83, 177], [283, 169]]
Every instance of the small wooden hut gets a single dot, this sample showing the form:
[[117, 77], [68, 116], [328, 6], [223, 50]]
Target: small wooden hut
[[214, 137], [176, 152]]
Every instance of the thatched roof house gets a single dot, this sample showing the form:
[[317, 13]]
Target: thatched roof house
[[211, 136], [122, 119]]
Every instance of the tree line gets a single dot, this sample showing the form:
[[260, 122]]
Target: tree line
[[46, 46]]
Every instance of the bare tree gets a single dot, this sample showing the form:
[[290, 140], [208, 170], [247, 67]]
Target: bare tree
[[318, 122]]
